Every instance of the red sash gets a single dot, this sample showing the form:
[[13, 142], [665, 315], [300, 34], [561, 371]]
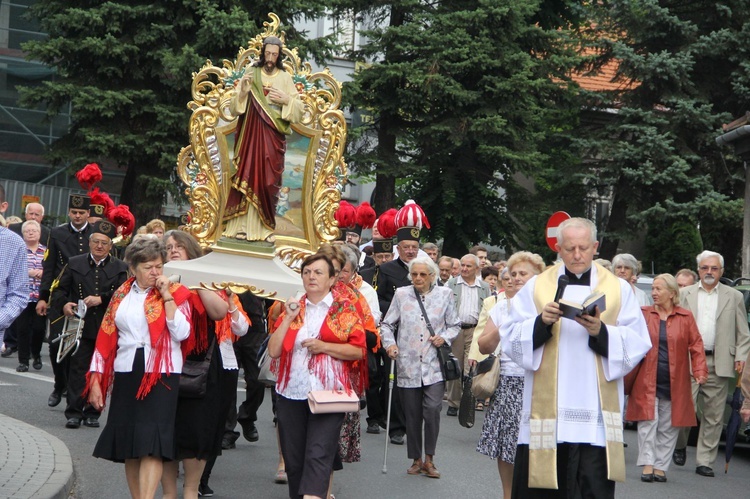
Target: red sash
[[106, 340], [343, 324]]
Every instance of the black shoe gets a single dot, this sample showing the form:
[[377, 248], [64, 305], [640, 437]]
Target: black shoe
[[704, 471], [204, 490], [452, 411], [679, 456], [54, 399], [397, 439], [228, 443], [8, 352], [647, 477], [91, 422], [250, 432], [373, 428], [22, 368], [73, 423], [37, 363], [660, 478]]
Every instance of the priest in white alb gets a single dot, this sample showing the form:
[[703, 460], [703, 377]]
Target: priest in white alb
[[570, 443]]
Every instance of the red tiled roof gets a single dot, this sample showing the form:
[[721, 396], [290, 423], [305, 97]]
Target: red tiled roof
[[602, 80]]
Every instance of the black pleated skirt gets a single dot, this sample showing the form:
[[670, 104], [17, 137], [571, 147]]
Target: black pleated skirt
[[140, 428]]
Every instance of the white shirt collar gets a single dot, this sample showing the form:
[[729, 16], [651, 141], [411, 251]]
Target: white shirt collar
[[79, 230], [715, 290], [138, 290], [97, 262], [460, 280], [327, 301]]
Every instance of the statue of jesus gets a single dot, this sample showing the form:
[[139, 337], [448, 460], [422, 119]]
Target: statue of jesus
[[267, 103]]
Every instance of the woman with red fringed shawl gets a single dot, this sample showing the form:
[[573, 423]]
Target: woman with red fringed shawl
[[200, 422], [345, 259], [318, 340], [138, 358]]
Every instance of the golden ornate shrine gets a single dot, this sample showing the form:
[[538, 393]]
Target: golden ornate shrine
[[314, 166]]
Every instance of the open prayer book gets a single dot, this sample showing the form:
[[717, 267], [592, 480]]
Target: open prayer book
[[571, 309]]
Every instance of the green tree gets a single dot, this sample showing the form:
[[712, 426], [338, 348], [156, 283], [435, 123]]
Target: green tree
[[656, 152], [671, 248], [381, 91], [463, 96], [125, 69]]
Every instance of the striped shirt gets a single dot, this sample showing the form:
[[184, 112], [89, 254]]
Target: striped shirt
[[14, 277], [34, 260], [469, 303]]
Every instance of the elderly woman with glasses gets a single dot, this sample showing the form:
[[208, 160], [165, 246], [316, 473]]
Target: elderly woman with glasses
[[29, 326], [420, 379], [625, 266], [217, 320]]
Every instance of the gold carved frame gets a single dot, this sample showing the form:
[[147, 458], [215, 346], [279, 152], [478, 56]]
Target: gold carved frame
[[206, 169]]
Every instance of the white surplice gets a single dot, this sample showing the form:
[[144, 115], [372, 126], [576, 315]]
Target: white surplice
[[579, 415]]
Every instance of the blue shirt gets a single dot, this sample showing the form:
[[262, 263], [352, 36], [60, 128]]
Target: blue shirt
[[14, 277]]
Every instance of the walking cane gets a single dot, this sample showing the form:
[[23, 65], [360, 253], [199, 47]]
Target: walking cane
[[388, 417]]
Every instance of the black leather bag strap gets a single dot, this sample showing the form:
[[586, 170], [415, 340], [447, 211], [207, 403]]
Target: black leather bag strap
[[424, 312], [210, 351], [211, 348]]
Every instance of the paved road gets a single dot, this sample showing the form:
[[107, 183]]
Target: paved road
[[247, 471]]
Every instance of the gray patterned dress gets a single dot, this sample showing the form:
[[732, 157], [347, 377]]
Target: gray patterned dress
[[499, 437]]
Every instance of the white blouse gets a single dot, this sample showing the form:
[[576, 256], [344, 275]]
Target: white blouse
[[301, 378], [133, 333], [226, 349], [499, 314]]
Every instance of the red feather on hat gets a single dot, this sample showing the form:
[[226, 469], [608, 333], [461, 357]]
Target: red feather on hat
[[102, 199], [346, 215], [411, 215], [387, 224], [366, 216], [89, 175], [121, 216]]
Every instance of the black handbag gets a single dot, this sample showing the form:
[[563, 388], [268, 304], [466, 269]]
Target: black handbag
[[449, 365], [468, 403], [194, 376]]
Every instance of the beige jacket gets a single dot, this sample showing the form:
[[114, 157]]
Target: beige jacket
[[732, 334]]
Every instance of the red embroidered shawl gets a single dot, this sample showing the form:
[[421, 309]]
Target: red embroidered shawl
[[106, 340], [343, 324], [198, 341]]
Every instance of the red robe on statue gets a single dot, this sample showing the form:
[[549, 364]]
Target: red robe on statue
[[260, 145], [260, 160]]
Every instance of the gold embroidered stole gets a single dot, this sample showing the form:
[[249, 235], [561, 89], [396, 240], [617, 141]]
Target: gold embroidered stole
[[543, 418], [281, 125]]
